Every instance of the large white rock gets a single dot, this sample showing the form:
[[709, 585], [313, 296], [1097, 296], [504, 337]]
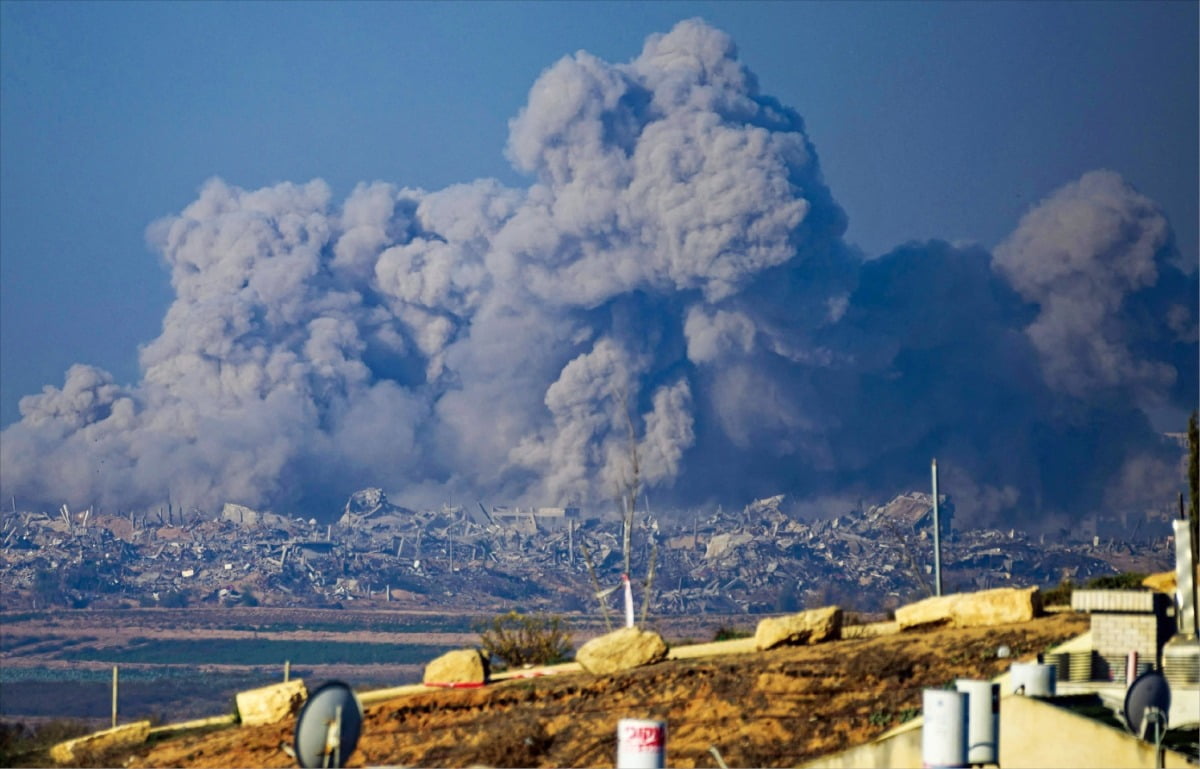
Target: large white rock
[[988, 607], [461, 666], [808, 627], [271, 704], [620, 650]]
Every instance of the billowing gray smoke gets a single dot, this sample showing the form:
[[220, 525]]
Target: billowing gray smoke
[[672, 284]]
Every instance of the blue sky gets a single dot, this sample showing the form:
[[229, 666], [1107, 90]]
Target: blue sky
[[944, 120]]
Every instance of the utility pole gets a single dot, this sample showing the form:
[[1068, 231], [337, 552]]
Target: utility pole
[[937, 534]]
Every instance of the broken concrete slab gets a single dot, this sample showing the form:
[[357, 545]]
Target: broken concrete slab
[[721, 545]]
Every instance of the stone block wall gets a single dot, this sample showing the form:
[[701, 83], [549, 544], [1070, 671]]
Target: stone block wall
[[1118, 634]]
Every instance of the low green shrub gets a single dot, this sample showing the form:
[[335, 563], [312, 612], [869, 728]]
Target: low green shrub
[[729, 633], [525, 639], [1129, 580], [1059, 595], [22, 745]]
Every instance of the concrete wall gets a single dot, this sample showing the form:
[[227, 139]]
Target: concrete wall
[[1032, 734], [1118, 634], [1038, 734]]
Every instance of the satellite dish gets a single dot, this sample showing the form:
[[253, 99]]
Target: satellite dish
[[328, 726], [1147, 703]]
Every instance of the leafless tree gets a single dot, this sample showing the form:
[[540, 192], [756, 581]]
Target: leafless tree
[[630, 483]]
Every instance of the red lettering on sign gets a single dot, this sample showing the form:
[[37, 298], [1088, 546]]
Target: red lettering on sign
[[643, 737]]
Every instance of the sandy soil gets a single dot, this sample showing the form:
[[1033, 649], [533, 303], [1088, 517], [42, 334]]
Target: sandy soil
[[774, 708]]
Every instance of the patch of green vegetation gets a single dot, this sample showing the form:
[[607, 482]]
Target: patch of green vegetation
[[456, 624], [22, 745], [521, 639], [1060, 595], [164, 695], [13, 675], [729, 633], [9, 644], [1129, 580], [46, 644], [234, 651], [6, 617]]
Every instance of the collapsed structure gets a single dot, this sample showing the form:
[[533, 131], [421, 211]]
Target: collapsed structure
[[760, 559]]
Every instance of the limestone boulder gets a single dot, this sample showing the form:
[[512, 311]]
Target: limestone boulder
[[620, 650], [1163, 582], [936, 610], [808, 627], [461, 666], [271, 704], [997, 607], [982, 609], [91, 747]]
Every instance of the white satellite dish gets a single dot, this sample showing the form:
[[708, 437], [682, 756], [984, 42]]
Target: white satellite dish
[[1147, 704], [328, 726]]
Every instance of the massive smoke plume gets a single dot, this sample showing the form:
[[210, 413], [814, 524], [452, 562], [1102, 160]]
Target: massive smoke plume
[[673, 284]]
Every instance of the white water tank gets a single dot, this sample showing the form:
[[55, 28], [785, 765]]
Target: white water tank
[[944, 731], [983, 720], [1033, 679]]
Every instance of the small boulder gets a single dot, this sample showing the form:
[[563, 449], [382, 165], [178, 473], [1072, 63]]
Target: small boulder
[[807, 627], [461, 666], [621, 650], [271, 704]]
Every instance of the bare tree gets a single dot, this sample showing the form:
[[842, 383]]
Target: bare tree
[[628, 487], [600, 594], [630, 483], [912, 564], [1193, 437]]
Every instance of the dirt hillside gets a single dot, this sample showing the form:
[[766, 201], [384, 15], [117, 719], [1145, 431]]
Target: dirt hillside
[[775, 708]]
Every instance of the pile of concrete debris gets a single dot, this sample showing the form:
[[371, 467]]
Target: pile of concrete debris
[[760, 559]]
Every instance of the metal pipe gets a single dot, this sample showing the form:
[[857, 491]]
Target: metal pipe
[[937, 534]]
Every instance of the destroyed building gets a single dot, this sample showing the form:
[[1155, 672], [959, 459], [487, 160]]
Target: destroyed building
[[758, 559]]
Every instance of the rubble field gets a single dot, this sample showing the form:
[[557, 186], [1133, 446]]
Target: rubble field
[[469, 560]]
